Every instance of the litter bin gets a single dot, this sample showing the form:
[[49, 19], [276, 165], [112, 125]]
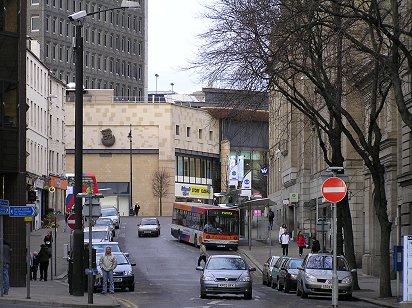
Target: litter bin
[[131, 212]]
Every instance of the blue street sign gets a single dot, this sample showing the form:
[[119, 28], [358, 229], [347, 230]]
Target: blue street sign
[[4, 202], [21, 211], [4, 210]]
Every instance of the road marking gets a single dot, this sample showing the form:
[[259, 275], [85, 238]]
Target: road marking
[[127, 303]]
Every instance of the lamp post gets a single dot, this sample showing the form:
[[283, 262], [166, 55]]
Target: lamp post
[[131, 167], [172, 84], [156, 75], [77, 281]]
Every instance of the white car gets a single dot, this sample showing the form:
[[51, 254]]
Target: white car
[[113, 214], [148, 226], [99, 234]]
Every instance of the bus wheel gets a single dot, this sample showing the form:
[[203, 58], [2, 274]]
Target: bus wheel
[[179, 236], [195, 242]]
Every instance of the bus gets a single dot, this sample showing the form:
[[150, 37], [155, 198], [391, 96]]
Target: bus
[[89, 181], [215, 226]]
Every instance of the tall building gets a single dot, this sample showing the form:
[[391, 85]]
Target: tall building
[[115, 43], [13, 129]]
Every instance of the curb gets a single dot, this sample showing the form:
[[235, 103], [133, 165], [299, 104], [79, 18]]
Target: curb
[[375, 302], [55, 304], [257, 264]]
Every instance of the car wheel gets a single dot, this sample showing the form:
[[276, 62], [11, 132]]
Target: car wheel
[[286, 288], [248, 295], [280, 287], [131, 288], [138, 235], [346, 297], [264, 281], [303, 294], [202, 295], [195, 242], [297, 290], [273, 284], [269, 282], [179, 236]]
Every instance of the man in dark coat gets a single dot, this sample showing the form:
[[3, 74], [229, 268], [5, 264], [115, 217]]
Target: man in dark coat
[[44, 256]]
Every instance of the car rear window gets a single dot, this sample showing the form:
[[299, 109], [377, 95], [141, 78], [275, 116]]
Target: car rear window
[[226, 264], [102, 247], [109, 212], [293, 264], [325, 262]]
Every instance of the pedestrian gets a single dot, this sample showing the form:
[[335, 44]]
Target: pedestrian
[[137, 208], [107, 264], [48, 239], [282, 230], [300, 240], [271, 216], [284, 240], [66, 218], [34, 265], [6, 266], [44, 256], [203, 254], [315, 245]]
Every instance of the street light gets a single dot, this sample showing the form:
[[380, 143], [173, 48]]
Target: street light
[[156, 75], [131, 168], [172, 84], [78, 164]]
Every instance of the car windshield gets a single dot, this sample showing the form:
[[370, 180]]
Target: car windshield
[[96, 235], [226, 264], [325, 262], [149, 222], [102, 247], [103, 222], [109, 212], [294, 263]]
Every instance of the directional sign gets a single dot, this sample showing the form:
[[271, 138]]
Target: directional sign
[[4, 202], [334, 189], [21, 211], [4, 210]]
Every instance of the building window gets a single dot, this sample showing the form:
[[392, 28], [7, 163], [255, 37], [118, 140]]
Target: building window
[[200, 134], [210, 134], [35, 23], [35, 2], [177, 130], [187, 131]]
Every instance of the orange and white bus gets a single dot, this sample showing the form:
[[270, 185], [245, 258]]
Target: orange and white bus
[[215, 226]]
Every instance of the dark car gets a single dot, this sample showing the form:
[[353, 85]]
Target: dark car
[[148, 226], [123, 276], [288, 273], [226, 274], [315, 276], [267, 270], [276, 270]]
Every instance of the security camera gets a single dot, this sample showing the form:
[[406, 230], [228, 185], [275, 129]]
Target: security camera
[[77, 15]]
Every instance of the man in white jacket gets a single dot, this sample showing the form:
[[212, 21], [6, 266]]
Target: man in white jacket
[[108, 263], [284, 240]]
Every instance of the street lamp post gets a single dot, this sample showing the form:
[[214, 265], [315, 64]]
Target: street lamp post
[[78, 237], [156, 75], [131, 167], [172, 84]]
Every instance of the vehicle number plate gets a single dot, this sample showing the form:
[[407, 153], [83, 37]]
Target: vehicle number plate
[[226, 285], [147, 231], [326, 286], [220, 246], [117, 280]]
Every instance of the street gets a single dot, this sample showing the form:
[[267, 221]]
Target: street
[[166, 276]]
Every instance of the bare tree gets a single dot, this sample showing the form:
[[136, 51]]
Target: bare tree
[[160, 184], [343, 50]]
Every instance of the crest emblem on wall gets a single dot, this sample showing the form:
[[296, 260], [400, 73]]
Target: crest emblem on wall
[[108, 138]]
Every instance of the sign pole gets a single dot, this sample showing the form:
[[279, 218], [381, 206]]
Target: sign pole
[[90, 274], [335, 286], [28, 257], [1, 255]]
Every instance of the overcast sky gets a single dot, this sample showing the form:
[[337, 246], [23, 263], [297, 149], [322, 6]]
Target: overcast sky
[[173, 26]]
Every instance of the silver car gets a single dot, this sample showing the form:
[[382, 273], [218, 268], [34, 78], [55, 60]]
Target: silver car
[[148, 226], [267, 270], [113, 214], [315, 276], [226, 274]]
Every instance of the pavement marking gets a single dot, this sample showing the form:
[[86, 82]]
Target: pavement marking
[[127, 303]]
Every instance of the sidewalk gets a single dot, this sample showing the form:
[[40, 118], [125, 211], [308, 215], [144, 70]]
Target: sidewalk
[[260, 251], [55, 291]]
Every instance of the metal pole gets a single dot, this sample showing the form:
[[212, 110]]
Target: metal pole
[[28, 273], [335, 285], [90, 274], [249, 227], [78, 174], [1, 255], [55, 246], [131, 167]]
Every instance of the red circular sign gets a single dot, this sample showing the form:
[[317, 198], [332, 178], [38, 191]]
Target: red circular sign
[[71, 221], [334, 189]]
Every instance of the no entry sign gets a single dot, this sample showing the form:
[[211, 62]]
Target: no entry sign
[[71, 221], [334, 189]]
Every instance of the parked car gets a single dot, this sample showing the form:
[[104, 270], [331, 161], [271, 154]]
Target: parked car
[[101, 247], [315, 276], [106, 221], [113, 214], [267, 270], [123, 276], [288, 273], [226, 274], [276, 270], [99, 234], [148, 226]]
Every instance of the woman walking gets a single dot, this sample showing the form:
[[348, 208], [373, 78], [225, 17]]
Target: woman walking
[[300, 240]]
